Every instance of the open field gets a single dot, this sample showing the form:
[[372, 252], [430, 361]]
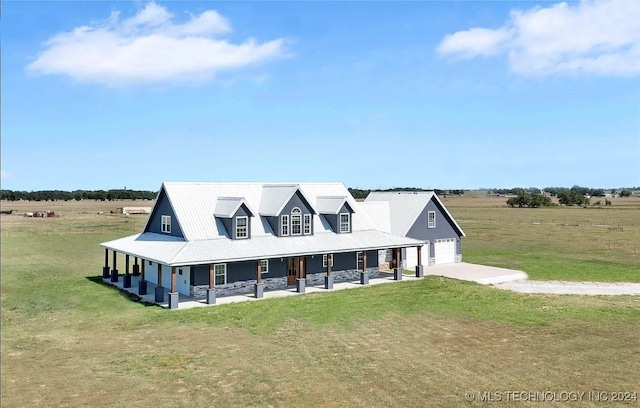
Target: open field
[[69, 340]]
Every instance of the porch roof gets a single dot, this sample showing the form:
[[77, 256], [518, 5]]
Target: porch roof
[[177, 252]]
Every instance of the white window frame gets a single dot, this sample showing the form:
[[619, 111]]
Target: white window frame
[[264, 266], [245, 228], [216, 274], [431, 223], [166, 224], [347, 224], [324, 260], [359, 260], [296, 215], [284, 225], [307, 224]]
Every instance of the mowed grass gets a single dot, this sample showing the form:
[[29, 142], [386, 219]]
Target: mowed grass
[[69, 340], [559, 243]]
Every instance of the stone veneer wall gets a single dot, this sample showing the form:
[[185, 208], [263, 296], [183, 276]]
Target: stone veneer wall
[[238, 288], [244, 287], [432, 261], [340, 276]]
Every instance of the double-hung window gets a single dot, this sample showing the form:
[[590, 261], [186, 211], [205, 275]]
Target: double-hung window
[[359, 260], [284, 225], [242, 229], [344, 222], [431, 219], [296, 221], [166, 224], [264, 266], [307, 224], [220, 272], [327, 259]]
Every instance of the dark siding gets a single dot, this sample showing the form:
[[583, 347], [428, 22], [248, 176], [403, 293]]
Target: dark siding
[[314, 264], [242, 211], [242, 271], [444, 226], [274, 223], [163, 207], [228, 226], [333, 221], [200, 275], [296, 201]]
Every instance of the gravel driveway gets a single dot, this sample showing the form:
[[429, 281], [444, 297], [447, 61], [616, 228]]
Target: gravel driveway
[[572, 288]]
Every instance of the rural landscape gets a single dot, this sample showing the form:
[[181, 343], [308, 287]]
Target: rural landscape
[[70, 340]]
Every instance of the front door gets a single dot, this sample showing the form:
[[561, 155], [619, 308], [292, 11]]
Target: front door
[[295, 269]]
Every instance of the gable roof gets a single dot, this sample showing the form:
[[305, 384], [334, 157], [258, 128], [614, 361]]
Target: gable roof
[[206, 241], [406, 206], [331, 204], [276, 196], [227, 206]]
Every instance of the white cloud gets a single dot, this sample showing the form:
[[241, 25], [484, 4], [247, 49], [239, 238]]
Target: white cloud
[[150, 48], [593, 37]]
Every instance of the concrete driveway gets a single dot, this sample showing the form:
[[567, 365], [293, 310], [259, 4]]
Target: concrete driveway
[[485, 275]]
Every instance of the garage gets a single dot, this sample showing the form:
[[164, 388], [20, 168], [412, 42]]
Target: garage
[[445, 251]]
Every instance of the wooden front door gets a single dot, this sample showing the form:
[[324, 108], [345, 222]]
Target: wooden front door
[[295, 269]]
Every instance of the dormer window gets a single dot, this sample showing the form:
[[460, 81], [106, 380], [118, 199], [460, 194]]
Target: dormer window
[[431, 219], [344, 222], [296, 221], [284, 225], [307, 224], [166, 224], [242, 230]]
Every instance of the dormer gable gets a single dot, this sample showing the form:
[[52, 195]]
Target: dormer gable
[[337, 211], [163, 219], [287, 210], [235, 215]]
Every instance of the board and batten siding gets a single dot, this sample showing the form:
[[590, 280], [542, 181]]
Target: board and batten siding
[[163, 207], [444, 227]]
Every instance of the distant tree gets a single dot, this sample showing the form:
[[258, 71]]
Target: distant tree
[[625, 193]]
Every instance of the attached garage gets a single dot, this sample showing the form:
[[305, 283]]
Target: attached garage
[[445, 251]]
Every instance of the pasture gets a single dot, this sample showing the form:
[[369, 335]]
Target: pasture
[[69, 340]]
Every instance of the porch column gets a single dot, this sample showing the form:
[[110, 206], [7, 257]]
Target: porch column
[[397, 273], [419, 268], [328, 280], [173, 295], [142, 283], [114, 271], [211, 292], [105, 268], [159, 290], [126, 283], [364, 276], [300, 281], [136, 267], [258, 290]]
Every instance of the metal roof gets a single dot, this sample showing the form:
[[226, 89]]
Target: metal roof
[[196, 205], [227, 206], [330, 204], [406, 206]]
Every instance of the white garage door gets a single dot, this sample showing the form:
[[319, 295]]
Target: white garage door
[[445, 251], [412, 257]]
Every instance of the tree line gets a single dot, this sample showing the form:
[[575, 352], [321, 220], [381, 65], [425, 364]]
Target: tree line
[[96, 195]]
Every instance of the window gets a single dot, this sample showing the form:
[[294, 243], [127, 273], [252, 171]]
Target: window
[[264, 266], [285, 225], [150, 263], [166, 224], [359, 260], [344, 222], [325, 258], [220, 272], [296, 221], [242, 230], [307, 224], [431, 219]]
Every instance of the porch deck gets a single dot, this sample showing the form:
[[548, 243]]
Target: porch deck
[[464, 271]]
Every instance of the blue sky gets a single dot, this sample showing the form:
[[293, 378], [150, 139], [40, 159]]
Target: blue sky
[[99, 95]]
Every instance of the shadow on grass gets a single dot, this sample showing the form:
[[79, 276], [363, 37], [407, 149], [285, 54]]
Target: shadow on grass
[[132, 297]]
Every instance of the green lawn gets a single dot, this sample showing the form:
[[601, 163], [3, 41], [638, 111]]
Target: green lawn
[[69, 340]]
